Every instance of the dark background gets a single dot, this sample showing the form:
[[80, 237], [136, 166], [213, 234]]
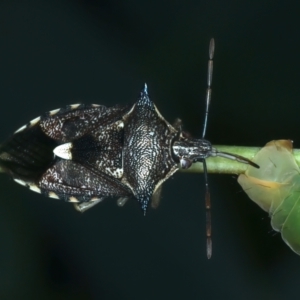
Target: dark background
[[54, 53]]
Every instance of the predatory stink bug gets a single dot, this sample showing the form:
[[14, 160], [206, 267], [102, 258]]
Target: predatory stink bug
[[85, 153]]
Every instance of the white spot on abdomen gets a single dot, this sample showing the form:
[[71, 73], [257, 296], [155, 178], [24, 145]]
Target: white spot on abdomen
[[21, 128], [64, 151], [19, 181], [35, 121], [54, 111]]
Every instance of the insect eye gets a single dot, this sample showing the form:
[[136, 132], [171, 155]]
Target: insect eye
[[185, 163]]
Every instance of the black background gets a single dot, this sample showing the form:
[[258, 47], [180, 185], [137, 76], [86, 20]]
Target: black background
[[54, 53]]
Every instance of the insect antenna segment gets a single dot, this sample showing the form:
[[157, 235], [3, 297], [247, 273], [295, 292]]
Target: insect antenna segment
[[209, 82], [207, 193], [211, 151]]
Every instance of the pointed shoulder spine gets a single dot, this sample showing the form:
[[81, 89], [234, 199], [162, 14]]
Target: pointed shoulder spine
[[144, 100]]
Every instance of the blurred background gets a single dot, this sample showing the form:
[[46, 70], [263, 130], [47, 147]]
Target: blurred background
[[54, 53]]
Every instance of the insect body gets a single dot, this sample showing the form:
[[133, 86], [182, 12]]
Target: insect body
[[83, 154]]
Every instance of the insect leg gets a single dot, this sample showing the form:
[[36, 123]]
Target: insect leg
[[83, 206], [177, 124], [156, 197], [122, 201]]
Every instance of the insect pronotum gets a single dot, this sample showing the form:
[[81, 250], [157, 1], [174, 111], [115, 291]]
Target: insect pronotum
[[86, 153]]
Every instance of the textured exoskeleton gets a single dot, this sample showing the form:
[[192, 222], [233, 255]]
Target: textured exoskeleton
[[83, 154], [86, 153]]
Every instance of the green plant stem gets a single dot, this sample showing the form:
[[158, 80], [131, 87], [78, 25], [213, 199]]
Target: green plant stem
[[226, 166], [220, 165]]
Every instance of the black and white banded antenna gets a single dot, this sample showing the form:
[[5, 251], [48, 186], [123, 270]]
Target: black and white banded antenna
[[207, 193], [189, 151], [210, 66]]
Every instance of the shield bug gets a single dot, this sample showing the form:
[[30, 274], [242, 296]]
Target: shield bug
[[85, 153]]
